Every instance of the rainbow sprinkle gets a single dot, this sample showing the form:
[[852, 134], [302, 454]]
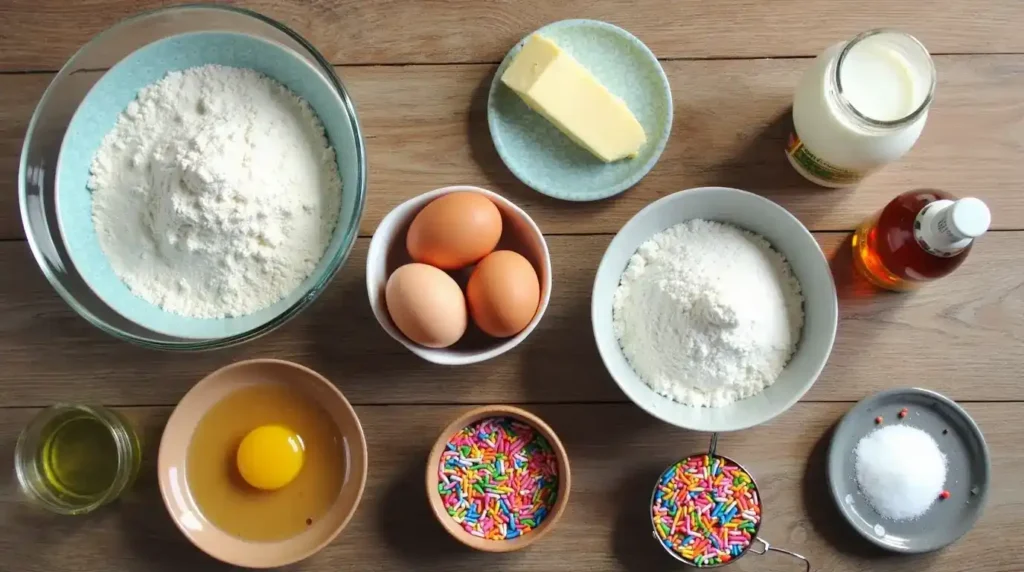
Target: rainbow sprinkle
[[706, 510], [498, 478]]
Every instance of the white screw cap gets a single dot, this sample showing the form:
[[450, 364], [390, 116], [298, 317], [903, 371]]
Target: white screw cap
[[970, 217]]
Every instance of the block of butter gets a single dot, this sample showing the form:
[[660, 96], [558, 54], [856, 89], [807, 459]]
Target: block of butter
[[556, 86]]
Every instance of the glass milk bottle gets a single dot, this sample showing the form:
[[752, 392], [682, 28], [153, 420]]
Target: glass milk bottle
[[860, 106]]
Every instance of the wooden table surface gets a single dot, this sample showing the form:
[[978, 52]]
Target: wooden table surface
[[419, 72]]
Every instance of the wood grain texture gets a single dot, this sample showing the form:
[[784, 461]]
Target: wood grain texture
[[42, 34], [426, 127], [616, 453], [961, 336], [19, 95]]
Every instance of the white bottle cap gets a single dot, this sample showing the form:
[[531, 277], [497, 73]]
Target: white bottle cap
[[969, 217]]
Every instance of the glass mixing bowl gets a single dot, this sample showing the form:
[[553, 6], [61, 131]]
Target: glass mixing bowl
[[37, 181]]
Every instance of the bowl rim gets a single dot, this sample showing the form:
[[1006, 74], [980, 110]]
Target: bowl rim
[[360, 473], [340, 256], [440, 355], [473, 415], [821, 261]]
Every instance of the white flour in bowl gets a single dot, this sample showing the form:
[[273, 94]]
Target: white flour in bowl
[[707, 313], [216, 193]]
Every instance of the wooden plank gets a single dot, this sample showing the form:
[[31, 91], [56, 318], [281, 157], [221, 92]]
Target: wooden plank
[[616, 452], [731, 124], [19, 95], [42, 34], [730, 128], [960, 336]]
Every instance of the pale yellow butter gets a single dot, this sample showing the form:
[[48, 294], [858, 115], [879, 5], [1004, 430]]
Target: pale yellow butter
[[556, 86]]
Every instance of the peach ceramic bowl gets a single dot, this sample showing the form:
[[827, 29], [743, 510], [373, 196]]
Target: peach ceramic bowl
[[177, 437], [437, 504]]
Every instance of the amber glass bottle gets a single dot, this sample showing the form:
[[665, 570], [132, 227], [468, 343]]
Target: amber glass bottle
[[919, 236]]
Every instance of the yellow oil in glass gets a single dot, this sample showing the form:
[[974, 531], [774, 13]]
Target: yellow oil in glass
[[79, 458], [73, 459]]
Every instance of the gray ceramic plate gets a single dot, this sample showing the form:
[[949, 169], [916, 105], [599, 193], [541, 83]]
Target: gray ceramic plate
[[967, 479]]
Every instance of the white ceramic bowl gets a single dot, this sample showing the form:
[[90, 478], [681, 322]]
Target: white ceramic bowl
[[788, 236], [387, 252]]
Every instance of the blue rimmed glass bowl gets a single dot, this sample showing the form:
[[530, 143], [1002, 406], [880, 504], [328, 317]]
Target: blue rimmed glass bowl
[[82, 104]]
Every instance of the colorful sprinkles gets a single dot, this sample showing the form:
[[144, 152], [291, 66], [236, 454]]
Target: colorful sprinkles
[[706, 509], [498, 478]]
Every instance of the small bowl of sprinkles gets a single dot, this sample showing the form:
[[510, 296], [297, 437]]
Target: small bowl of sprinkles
[[498, 478], [706, 512]]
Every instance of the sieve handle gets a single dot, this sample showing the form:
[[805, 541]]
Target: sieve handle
[[713, 445], [768, 547]]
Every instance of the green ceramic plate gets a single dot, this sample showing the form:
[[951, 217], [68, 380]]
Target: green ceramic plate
[[545, 159]]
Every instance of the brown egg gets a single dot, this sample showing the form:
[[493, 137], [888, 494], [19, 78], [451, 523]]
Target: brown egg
[[426, 305], [454, 231], [503, 293]]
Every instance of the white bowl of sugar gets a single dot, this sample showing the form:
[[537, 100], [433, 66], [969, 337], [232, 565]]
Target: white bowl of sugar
[[804, 326]]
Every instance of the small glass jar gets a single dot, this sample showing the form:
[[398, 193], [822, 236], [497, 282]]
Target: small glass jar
[[73, 459], [861, 105]]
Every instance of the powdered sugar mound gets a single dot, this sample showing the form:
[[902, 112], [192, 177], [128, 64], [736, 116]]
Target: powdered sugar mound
[[216, 193], [707, 313], [900, 471]]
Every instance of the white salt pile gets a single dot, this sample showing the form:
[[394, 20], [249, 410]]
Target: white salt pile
[[900, 470]]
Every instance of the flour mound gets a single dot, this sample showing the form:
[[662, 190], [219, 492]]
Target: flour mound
[[707, 314], [216, 193]]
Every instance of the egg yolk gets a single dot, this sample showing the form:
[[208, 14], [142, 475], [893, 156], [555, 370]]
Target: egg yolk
[[270, 457]]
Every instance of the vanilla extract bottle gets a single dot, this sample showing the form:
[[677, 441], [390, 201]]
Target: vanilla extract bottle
[[918, 237]]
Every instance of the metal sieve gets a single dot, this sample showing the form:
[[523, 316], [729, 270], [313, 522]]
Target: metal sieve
[[764, 546]]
